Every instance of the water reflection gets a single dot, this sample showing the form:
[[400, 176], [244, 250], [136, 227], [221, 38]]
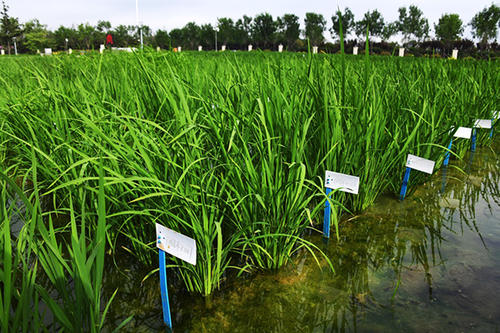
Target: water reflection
[[426, 264]]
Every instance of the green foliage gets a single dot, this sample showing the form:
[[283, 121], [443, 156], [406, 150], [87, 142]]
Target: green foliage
[[485, 23], [263, 30], [207, 37], [191, 34], [162, 39], [412, 23], [449, 28], [36, 36], [65, 275], [289, 30], [229, 149], [348, 23], [226, 29], [373, 22], [9, 27], [315, 26], [390, 29]]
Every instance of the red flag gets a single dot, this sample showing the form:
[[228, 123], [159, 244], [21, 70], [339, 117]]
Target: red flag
[[109, 39]]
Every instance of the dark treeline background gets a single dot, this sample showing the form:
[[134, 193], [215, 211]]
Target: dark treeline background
[[266, 33]]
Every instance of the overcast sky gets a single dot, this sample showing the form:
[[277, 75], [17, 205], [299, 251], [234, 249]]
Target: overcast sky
[[169, 14]]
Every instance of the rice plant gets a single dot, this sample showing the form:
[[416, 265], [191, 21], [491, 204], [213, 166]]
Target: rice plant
[[229, 149]]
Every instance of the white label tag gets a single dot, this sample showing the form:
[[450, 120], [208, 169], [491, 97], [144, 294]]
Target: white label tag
[[176, 244], [420, 164], [483, 123], [48, 51], [463, 132], [344, 183]]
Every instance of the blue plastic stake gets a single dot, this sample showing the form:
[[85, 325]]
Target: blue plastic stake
[[473, 148], [491, 132], [406, 178], [447, 157], [326, 219], [164, 291]]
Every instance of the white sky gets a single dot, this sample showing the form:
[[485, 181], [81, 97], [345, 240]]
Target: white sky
[[169, 14]]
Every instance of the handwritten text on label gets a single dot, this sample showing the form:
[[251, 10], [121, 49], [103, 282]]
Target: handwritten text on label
[[176, 244], [344, 183]]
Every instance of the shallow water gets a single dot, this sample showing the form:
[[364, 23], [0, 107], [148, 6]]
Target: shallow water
[[428, 264]]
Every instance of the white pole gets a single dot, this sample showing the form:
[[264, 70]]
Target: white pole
[[137, 20], [215, 40], [140, 30], [15, 46]]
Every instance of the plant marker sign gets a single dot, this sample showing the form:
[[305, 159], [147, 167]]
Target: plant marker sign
[[342, 182], [416, 163], [48, 51], [462, 132], [480, 123], [355, 50], [483, 123], [179, 246], [401, 51]]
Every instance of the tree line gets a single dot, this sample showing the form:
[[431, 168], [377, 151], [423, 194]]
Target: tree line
[[262, 31]]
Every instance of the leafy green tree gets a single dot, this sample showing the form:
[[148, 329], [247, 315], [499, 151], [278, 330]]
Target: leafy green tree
[[289, 29], [36, 36], [86, 36], [348, 23], [485, 23], [315, 26], [10, 27], [103, 26], [243, 31], [60, 36], [123, 36], [207, 36], [449, 28], [263, 30], [177, 37], [227, 30], [412, 23], [389, 30], [373, 21], [191, 34], [101, 30], [162, 39]]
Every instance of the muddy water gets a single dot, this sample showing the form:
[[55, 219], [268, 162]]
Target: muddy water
[[428, 264]]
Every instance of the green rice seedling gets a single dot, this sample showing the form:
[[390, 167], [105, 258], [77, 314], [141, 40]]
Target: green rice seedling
[[78, 309], [19, 300]]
